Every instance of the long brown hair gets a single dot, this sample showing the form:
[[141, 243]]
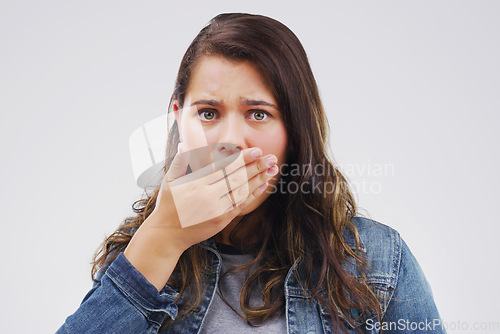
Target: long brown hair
[[308, 224]]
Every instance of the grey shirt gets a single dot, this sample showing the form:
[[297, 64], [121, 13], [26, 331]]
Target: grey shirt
[[220, 318]]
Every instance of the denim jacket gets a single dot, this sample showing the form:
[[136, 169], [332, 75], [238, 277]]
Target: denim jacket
[[125, 302]]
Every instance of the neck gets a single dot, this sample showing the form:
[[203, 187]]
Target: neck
[[246, 232]]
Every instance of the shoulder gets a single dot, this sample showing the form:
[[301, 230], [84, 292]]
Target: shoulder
[[375, 235], [395, 273], [382, 246]]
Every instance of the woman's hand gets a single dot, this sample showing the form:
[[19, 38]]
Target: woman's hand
[[194, 207], [197, 206]]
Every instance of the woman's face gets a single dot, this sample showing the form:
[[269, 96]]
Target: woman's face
[[228, 107]]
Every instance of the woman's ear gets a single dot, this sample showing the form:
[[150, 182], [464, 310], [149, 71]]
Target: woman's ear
[[178, 114]]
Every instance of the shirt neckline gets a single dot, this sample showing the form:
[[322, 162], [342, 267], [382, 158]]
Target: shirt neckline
[[230, 249]]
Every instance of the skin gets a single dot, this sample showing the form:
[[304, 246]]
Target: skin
[[226, 124], [229, 107]]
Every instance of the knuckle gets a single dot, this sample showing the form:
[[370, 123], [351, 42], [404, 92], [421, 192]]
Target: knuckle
[[260, 165], [264, 177], [242, 205], [192, 187], [264, 167], [235, 179], [241, 192]]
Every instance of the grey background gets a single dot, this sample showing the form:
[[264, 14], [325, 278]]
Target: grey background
[[410, 86]]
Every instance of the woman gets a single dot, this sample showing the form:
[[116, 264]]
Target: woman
[[253, 229]]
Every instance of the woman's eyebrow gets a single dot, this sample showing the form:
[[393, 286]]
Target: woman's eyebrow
[[214, 103], [250, 102], [245, 101]]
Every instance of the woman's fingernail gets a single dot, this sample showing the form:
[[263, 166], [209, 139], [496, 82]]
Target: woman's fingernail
[[272, 171], [264, 186], [256, 152], [271, 161]]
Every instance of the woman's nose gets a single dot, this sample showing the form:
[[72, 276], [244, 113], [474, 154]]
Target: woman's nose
[[227, 149], [231, 137]]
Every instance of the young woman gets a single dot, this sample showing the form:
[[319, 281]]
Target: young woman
[[253, 229]]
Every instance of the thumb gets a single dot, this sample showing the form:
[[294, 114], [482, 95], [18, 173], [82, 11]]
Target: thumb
[[179, 164]]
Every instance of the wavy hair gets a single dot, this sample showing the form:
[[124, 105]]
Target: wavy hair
[[308, 225]]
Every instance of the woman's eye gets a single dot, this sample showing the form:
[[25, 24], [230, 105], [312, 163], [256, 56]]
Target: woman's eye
[[206, 115], [260, 115]]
